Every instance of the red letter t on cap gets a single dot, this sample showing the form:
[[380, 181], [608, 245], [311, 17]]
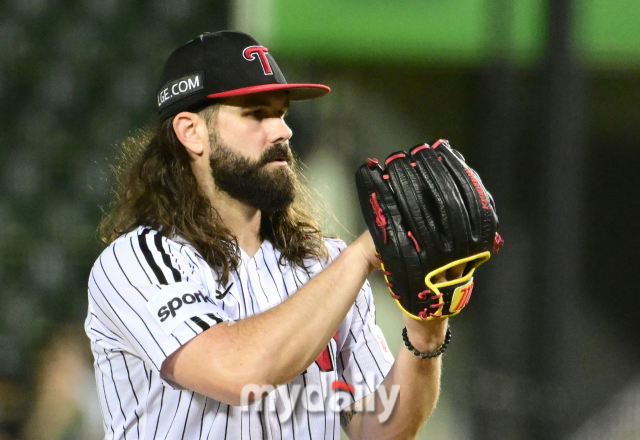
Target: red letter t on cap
[[250, 54]]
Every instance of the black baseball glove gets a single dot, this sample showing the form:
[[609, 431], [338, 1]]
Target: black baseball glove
[[427, 211]]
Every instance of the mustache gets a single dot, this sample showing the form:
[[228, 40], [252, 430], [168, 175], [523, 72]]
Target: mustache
[[280, 150]]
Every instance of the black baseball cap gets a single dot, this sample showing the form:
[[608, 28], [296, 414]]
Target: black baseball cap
[[219, 65]]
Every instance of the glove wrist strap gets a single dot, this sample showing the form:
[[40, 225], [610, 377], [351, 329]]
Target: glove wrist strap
[[426, 354]]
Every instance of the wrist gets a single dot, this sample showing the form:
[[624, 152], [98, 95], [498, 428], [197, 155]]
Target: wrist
[[426, 335], [356, 262], [427, 354], [367, 250]]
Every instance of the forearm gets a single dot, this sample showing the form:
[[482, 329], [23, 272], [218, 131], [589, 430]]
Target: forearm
[[276, 346], [300, 328], [419, 385]]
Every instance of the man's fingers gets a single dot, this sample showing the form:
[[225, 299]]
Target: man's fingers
[[455, 271]]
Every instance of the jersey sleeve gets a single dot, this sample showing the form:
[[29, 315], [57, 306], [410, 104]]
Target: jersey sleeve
[[150, 295], [364, 358]]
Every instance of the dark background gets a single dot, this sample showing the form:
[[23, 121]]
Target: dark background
[[550, 342]]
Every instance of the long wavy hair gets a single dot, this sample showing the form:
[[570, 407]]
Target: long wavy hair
[[154, 186]]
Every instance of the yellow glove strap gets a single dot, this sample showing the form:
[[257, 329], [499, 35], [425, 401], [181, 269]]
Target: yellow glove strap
[[461, 294]]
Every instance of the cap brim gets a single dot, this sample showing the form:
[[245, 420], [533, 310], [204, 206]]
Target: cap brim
[[297, 92]]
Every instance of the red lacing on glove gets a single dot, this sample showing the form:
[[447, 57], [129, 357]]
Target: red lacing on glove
[[389, 285], [423, 295], [394, 157], [380, 220], [425, 314], [414, 241], [497, 243], [421, 147]]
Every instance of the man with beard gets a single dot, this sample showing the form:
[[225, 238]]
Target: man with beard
[[218, 280]]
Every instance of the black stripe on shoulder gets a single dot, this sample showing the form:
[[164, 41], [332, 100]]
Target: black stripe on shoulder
[[203, 325], [142, 241], [165, 257], [214, 317]]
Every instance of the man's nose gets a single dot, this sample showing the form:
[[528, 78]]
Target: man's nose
[[279, 131]]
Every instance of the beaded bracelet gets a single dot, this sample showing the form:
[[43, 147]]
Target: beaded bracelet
[[426, 354]]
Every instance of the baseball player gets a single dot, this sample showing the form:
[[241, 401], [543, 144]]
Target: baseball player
[[218, 278]]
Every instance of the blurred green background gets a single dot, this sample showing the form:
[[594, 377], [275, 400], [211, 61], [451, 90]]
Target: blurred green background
[[541, 96]]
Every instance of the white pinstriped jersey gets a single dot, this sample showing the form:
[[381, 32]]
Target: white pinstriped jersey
[[149, 295]]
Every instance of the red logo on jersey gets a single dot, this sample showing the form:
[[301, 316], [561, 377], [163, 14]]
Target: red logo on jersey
[[383, 344], [253, 52], [342, 385], [324, 361]]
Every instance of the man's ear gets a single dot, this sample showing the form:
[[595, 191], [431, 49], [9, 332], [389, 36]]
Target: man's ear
[[192, 132]]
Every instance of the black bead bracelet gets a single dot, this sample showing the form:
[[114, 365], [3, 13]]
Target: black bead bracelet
[[426, 354]]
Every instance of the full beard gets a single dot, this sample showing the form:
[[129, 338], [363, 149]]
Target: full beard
[[250, 181]]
